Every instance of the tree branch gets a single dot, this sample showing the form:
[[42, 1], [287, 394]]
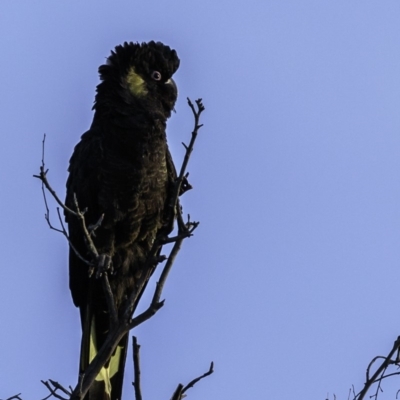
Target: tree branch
[[194, 381], [180, 390], [16, 396], [53, 386], [136, 366]]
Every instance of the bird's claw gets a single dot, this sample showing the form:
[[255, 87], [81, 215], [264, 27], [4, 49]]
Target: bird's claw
[[103, 264]]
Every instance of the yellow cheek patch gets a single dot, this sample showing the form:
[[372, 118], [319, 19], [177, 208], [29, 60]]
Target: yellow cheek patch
[[136, 83]]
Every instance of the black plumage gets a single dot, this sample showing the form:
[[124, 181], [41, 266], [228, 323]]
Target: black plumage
[[121, 169]]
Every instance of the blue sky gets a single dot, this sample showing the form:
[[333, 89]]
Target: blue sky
[[290, 284]]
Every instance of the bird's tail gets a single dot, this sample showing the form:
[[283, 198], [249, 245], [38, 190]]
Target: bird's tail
[[108, 383]]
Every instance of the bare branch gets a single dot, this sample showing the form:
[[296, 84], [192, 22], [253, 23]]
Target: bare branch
[[189, 148], [194, 381], [144, 316], [89, 242], [186, 232], [110, 300], [180, 390], [53, 386], [16, 396], [181, 183], [136, 366], [370, 365], [65, 233], [45, 184], [351, 390], [178, 393], [93, 228], [155, 303], [43, 177]]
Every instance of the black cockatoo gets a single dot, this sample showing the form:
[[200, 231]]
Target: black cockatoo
[[121, 169]]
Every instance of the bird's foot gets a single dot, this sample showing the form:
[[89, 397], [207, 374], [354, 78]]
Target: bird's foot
[[102, 264]]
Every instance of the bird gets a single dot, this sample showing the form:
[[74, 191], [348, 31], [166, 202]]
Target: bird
[[121, 175]]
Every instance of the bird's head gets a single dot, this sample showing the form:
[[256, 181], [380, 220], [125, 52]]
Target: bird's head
[[139, 76]]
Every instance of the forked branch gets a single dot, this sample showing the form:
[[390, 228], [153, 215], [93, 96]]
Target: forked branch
[[179, 391]]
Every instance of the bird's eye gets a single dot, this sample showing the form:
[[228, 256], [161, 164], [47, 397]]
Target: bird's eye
[[156, 76]]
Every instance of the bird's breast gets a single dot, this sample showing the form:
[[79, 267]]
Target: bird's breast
[[135, 190]]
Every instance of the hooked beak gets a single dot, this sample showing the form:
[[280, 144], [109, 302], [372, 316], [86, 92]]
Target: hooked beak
[[172, 84]]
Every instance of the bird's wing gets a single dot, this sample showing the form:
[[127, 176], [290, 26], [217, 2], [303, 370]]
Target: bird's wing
[[83, 182]]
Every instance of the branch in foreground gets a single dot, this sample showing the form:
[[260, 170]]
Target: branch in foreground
[[136, 368], [43, 177], [78, 214], [53, 386]]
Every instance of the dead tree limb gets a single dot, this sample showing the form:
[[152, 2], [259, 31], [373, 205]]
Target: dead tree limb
[[136, 368], [179, 391]]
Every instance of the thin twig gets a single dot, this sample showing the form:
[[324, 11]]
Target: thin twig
[[155, 303], [53, 386], [110, 300], [180, 390], [16, 396], [97, 225], [43, 177], [183, 234], [89, 242], [136, 366], [65, 233], [45, 184], [189, 148], [379, 385], [194, 381], [177, 395], [59, 387], [387, 376], [353, 390], [370, 365], [181, 180]]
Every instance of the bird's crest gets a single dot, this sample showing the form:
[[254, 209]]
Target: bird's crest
[[138, 74]]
